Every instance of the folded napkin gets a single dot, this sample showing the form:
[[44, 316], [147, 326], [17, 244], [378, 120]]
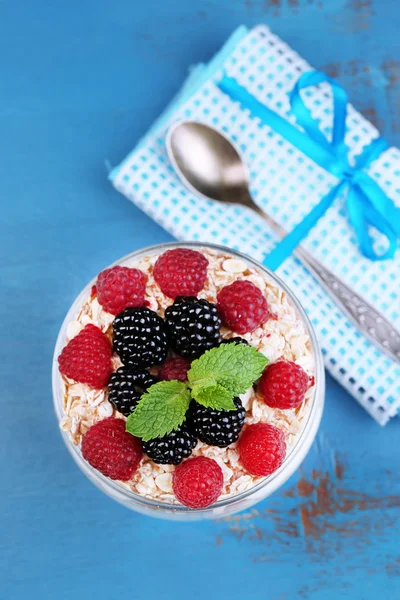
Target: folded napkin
[[288, 184]]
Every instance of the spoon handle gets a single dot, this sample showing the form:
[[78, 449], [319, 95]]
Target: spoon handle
[[370, 321]]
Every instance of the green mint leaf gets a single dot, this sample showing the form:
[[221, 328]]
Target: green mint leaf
[[160, 410], [233, 366], [213, 396]]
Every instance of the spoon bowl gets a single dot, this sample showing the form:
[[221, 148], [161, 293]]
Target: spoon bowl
[[208, 162]]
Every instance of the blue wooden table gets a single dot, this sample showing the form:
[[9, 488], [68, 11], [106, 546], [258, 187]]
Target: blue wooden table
[[80, 82]]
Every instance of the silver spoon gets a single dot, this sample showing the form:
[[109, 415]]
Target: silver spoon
[[209, 165]]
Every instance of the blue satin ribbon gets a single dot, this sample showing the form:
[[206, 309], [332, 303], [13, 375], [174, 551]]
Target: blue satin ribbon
[[367, 205]]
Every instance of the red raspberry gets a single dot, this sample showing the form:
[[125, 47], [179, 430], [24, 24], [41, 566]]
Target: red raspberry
[[111, 450], [283, 385], [262, 449], [87, 358], [242, 306], [120, 287], [181, 272], [198, 482], [174, 368]]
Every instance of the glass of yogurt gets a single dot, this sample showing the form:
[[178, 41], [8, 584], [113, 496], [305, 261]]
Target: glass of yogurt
[[283, 335]]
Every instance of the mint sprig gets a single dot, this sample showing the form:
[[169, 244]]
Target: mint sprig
[[161, 409], [213, 380], [235, 367], [213, 396]]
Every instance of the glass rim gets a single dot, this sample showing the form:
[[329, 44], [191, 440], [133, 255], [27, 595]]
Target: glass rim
[[274, 481]]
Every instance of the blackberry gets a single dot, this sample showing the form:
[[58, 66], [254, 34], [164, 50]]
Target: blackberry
[[126, 387], [217, 427], [172, 448], [235, 340], [140, 337], [193, 325]]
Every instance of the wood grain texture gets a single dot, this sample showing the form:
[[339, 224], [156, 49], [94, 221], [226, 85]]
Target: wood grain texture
[[81, 81]]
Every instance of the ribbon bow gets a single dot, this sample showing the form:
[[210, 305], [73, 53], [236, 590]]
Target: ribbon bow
[[367, 204]]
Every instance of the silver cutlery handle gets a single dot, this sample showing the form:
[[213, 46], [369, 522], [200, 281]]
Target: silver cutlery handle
[[369, 321]]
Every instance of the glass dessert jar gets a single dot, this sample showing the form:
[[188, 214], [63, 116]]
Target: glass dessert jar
[[307, 420]]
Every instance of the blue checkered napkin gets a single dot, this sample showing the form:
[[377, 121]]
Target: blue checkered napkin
[[288, 185]]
